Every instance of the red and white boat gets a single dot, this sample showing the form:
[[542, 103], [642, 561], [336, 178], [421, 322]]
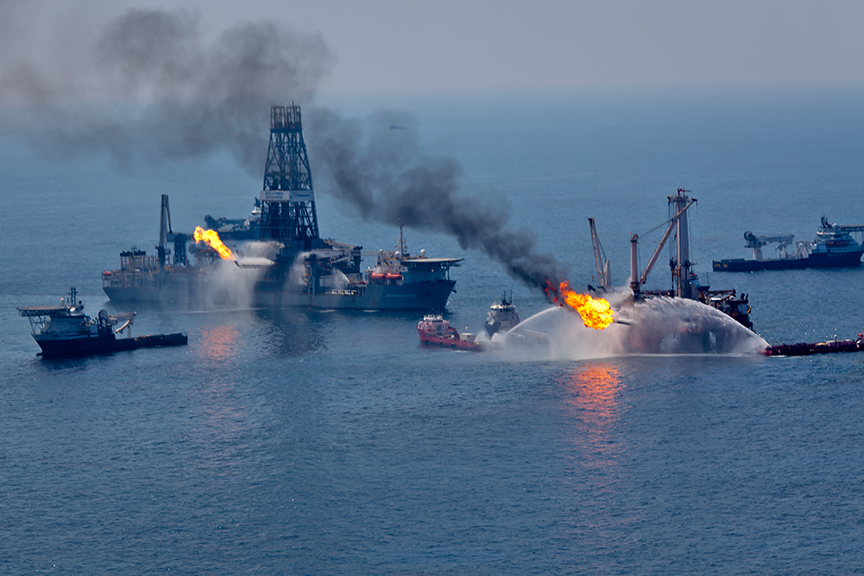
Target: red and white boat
[[433, 329]]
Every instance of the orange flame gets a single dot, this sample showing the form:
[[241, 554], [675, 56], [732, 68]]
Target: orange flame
[[595, 312], [211, 237]]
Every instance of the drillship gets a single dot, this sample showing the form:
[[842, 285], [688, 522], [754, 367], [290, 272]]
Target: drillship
[[306, 269]]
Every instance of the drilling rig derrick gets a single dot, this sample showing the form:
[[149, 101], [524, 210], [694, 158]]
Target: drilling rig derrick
[[288, 212]]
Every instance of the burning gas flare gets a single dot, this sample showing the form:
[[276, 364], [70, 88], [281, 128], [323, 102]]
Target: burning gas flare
[[211, 237], [595, 312]]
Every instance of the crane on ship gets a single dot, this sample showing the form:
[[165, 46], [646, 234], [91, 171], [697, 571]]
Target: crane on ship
[[601, 263], [757, 242], [686, 282], [680, 264]]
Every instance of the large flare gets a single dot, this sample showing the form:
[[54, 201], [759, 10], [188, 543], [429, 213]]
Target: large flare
[[211, 237], [595, 312]]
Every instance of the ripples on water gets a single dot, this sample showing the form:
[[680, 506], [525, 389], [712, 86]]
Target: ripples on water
[[249, 449]]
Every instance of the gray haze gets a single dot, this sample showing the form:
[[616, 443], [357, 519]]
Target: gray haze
[[148, 86], [394, 46]]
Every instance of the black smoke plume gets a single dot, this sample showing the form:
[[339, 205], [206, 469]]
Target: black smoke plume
[[150, 86], [388, 177], [189, 96]]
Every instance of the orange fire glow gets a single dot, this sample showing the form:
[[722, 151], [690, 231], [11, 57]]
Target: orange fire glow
[[595, 312], [594, 400], [211, 237]]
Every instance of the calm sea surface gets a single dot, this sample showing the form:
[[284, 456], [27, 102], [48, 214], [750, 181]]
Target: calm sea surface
[[325, 442]]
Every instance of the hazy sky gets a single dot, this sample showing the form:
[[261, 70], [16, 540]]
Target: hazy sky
[[390, 45], [456, 45]]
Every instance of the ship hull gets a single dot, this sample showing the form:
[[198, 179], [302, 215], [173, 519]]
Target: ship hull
[[93, 345], [816, 260], [423, 296], [451, 342], [415, 296], [805, 349], [77, 345]]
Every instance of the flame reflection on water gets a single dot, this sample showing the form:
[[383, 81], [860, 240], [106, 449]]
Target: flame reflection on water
[[223, 420], [219, 343], [594, 403]]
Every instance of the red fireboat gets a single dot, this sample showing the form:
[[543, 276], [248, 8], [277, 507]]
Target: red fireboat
[[433, 329]]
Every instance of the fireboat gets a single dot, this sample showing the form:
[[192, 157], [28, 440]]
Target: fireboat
[[502, 317], [433, 329]]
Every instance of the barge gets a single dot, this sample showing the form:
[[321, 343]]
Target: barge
[[806, 349]]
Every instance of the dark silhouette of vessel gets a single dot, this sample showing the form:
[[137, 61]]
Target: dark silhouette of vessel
[[834, 247]]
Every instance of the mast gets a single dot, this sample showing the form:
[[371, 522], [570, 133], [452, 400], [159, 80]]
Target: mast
[[402, 253], [682, 203], [682, 262], [635, 283], [164, 231]]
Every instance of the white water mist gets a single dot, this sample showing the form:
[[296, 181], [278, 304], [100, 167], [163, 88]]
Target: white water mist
[[654, 326]]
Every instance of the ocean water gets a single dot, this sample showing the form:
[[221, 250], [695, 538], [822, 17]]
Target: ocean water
[[324, 442]]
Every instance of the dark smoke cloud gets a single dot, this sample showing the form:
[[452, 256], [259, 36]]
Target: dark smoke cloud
[[387, 176], [191, 96], [150, 86]]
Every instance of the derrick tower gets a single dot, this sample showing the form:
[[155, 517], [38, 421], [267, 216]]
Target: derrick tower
[[287, 201]]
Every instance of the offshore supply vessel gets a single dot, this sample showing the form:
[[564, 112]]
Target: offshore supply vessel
[[66, 331], [237, 229], [834, 247], [301, 269]]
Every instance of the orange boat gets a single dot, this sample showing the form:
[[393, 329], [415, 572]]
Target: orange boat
[[433, 329]]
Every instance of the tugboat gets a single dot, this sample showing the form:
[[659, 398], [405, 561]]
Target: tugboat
[[433, 329], [834, 247], [501, 317], [66, 331]]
